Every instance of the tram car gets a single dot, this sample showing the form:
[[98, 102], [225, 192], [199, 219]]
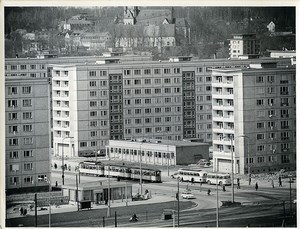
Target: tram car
[[132, 172], [91, 168]]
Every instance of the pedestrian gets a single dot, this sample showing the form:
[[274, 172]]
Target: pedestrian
[[55, 165], [249, 180], [280, 181], [238, 183], [208, 192], [56, 184], [272, 183], [256, 186], [25, 212], [224, 188], [21, 211]]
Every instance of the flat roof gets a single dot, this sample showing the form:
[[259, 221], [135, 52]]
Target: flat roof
[[163, 142]]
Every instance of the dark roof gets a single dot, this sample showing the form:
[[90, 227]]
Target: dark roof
[[166, 30]]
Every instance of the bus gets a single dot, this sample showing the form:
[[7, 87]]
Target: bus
[[220, 178], [192, 175]]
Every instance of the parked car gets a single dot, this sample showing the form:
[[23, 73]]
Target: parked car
[[174, 176]]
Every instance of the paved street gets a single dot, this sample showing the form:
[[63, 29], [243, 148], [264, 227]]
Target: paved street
[[200, 211]]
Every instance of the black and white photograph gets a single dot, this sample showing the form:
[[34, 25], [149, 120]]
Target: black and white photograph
[[137, 115]]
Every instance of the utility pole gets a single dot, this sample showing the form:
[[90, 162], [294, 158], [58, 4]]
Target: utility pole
[[290, 181], [116, 224], [217, 197], [77, 199], [177, 203], [35, 209]]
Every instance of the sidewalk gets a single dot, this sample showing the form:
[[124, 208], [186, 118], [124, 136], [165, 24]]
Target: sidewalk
[[73, 207]]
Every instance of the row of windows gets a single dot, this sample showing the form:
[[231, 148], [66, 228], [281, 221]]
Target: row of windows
[[271, 102], [25, 67], [16, 167], [284, 79], [283, 146], [285, 158], [13, 103], [27, 179], [14, 90], [14, 115], [15, 141], [15, 154], [14, 129], [148, 71]]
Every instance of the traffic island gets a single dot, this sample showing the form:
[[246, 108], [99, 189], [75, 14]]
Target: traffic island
[[230, 204]]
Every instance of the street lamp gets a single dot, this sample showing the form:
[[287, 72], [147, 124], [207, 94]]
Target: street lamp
[[141, 184], [62, 161], [108, 191], [232, 172]]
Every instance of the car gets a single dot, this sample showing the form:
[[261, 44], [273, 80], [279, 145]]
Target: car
[[186, 194], [174, 176]]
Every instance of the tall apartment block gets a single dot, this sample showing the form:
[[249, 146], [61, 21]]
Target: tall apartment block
[[111, 99], [244, 46], [254, 119], [27, 131]]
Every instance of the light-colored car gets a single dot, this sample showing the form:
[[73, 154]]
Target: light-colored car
[[187, 195]]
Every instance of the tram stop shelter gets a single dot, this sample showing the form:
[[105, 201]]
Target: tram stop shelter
[[97, 192]]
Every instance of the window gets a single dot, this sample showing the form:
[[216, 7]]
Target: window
[[147, 110], [32, 66], [27, 128], [208, 88], [12, 90], [93, 123], [138, 101], [168, 109], [103, 83], [168, 100], [147, 91], [93, 84], [93, 143], [93, 93], [93, 113], [13, 116], [138, 91], [284, 90], [127, 72], [137, 111], [13, 129], [12, 103], [23, 66], [156, 71], [259, 79], [284, 102], [167, 80], [199, 69], [167, 90], [93, 103], [260, 159], [28, 179], [28, 141], [157, 90], [92, 73], [260, 125], [137, 72], [284, 124], [147, 81], [14, 155], [138, 131], [137, 82], [138, 121], [260, 148], [27, 166], [83, 144], [26, 90], [28, 153], [158, 119], [13, 141], [285, 158], [147, 101], [148, 120], [13, 67], [168, 119], [270, 79], [260, 136], [167, 71], [176, 70], [157, 81], [157, 110], [147, 71], [259, 102], [208, 79], [103, 73]]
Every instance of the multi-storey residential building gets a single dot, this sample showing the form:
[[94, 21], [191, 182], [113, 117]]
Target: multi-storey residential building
[[93, 103], [244, 46], [27, 131], [254, 119]]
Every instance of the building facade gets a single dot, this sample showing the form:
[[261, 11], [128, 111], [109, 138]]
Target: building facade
[[27, 128], [254, 119], [244, 46], [157, 152], [128, 100]]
